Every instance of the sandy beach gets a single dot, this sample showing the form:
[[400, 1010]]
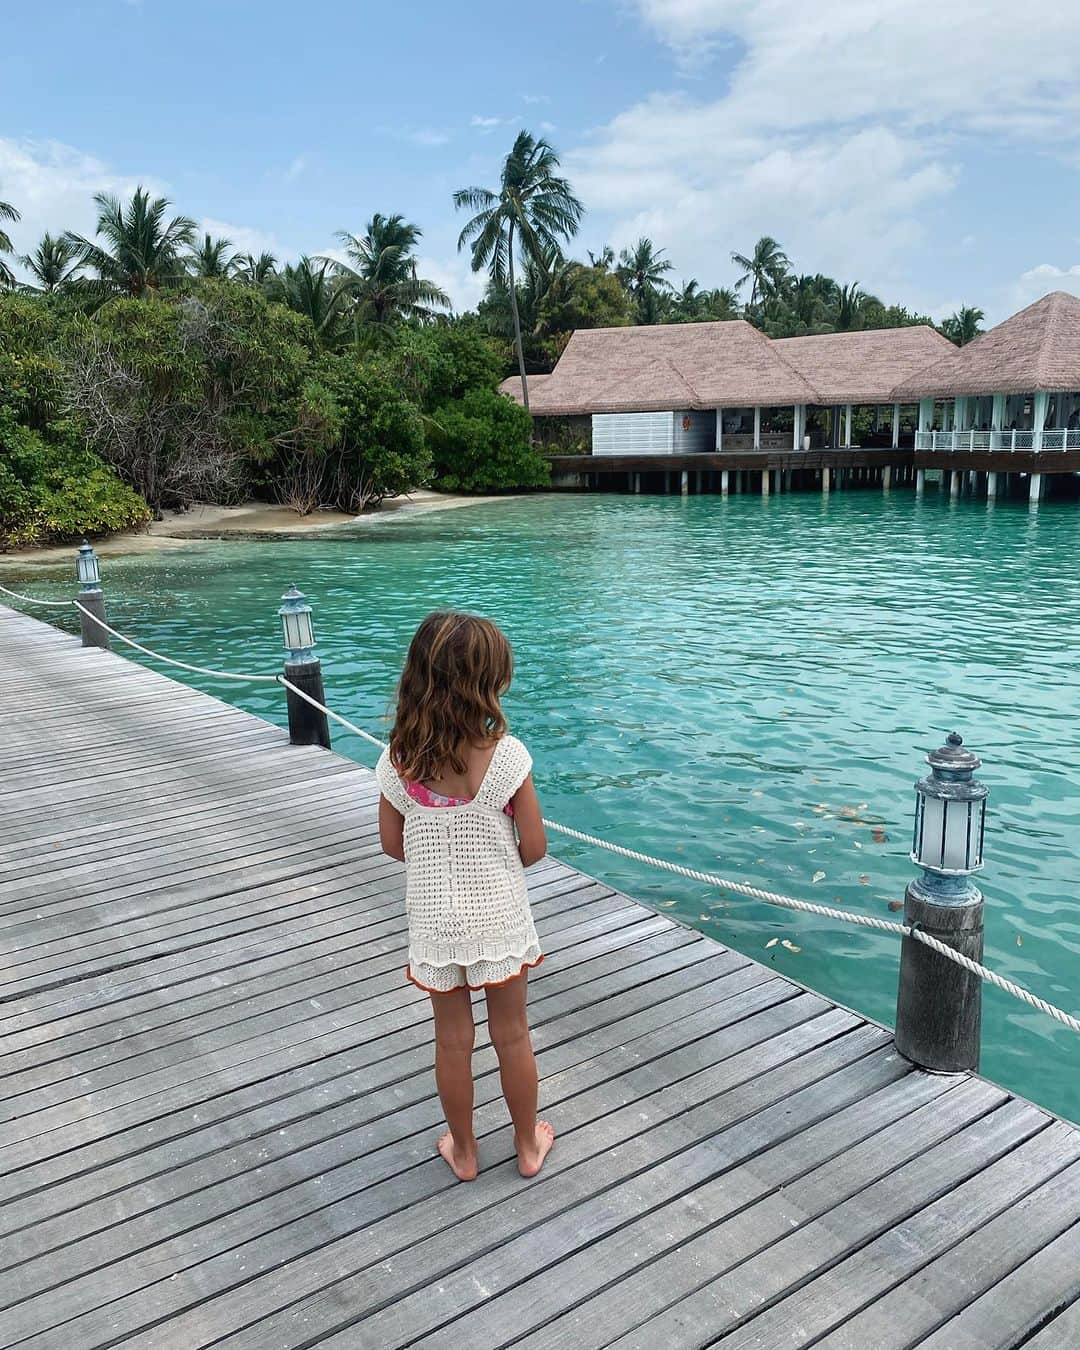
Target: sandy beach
[[253, 520]]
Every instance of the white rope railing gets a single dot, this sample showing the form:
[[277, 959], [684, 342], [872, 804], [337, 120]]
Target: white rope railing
[[33, 599], [691, 873]]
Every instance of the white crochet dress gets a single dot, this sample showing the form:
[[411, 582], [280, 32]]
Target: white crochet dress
[[466, 898]]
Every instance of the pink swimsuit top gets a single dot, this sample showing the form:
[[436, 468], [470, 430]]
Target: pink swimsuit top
[[424, 795]]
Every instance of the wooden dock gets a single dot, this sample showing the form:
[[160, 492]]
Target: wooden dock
[[219, 1116]]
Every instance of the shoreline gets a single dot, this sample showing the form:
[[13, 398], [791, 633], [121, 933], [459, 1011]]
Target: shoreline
[[252, 521]]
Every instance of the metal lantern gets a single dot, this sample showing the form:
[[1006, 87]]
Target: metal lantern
[[296, 626], [86, 568], [950, 814]]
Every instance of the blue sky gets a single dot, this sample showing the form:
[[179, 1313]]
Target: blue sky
[[930, 151]]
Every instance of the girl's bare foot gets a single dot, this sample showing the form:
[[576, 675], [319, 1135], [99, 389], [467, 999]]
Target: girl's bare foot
[[531, 1155], [462, 1162]]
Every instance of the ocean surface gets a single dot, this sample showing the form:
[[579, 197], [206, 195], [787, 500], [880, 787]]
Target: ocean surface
[[747, 686]]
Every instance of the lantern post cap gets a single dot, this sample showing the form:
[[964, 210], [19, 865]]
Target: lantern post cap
[[953, 756]]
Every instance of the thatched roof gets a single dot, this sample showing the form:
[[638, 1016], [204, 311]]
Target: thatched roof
[[1035, 350], [665, 366], [864, 366]]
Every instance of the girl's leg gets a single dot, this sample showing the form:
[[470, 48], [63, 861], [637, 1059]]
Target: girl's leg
[[508, 1025], [454, 1033]]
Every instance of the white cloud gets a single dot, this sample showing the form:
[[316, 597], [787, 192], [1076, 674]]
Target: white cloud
[[53, 186], [839, 128], [464, 286], [485, 123], [535, 98], [242, 237], [1036, 282]]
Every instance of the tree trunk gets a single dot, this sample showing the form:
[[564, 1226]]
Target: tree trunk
[[517, 323]]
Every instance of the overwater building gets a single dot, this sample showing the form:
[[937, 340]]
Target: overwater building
[[705, 399]]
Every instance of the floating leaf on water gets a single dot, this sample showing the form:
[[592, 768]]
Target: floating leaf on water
[[896, 905], [818, 876], [772, 942], [790, 946], [864, 878]]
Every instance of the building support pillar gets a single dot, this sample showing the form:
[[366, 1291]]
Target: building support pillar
[[684, 483], [766, 475], [954, 483], [757, 428], [637, 482], [719, 430], [847, 427], [920, 482], [723, 482], [886, 478], [825, 481], [991, 486], [1038, 420], [896, 426], [1035, 488]]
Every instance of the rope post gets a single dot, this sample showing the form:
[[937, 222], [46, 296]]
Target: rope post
[[307, 725], [939, 1003], [91, 597]]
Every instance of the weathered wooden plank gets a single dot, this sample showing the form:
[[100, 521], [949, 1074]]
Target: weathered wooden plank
[[758, 1264], [138, 1297], [156, 1070], [945, 1286], [319, 1150], [258, 1130], [1062, 1332]]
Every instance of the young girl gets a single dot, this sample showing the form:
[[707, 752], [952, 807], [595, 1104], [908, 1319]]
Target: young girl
[[458, 807]]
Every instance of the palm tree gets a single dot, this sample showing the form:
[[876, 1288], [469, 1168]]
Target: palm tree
[[53, 263], [145, 248], [766, 268], [686, 304], [604, 260], [641, 272], [254, 271], [382, 282], [314, 292], [533, 204], [719, 304], [7, 212], [963, 326], [851, 306], [211, 258]]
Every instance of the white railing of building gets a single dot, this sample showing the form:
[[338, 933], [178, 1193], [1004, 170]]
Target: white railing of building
[[1060, 439]]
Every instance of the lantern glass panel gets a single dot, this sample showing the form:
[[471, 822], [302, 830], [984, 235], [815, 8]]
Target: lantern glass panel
[[291, 623], [951, 835], [86, 568]]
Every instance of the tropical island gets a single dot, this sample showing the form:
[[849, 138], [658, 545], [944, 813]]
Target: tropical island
[[150, 367]]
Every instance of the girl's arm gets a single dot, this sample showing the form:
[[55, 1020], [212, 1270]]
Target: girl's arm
[[532, 841], [391, 830]]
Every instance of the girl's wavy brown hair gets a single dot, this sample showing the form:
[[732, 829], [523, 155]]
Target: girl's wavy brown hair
[[457, 669]]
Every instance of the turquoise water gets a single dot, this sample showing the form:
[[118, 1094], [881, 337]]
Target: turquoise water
[[746, 686]]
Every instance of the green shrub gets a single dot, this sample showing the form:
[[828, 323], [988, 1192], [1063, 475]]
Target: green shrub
[[481, 443], [377, 446], [52, 491]]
